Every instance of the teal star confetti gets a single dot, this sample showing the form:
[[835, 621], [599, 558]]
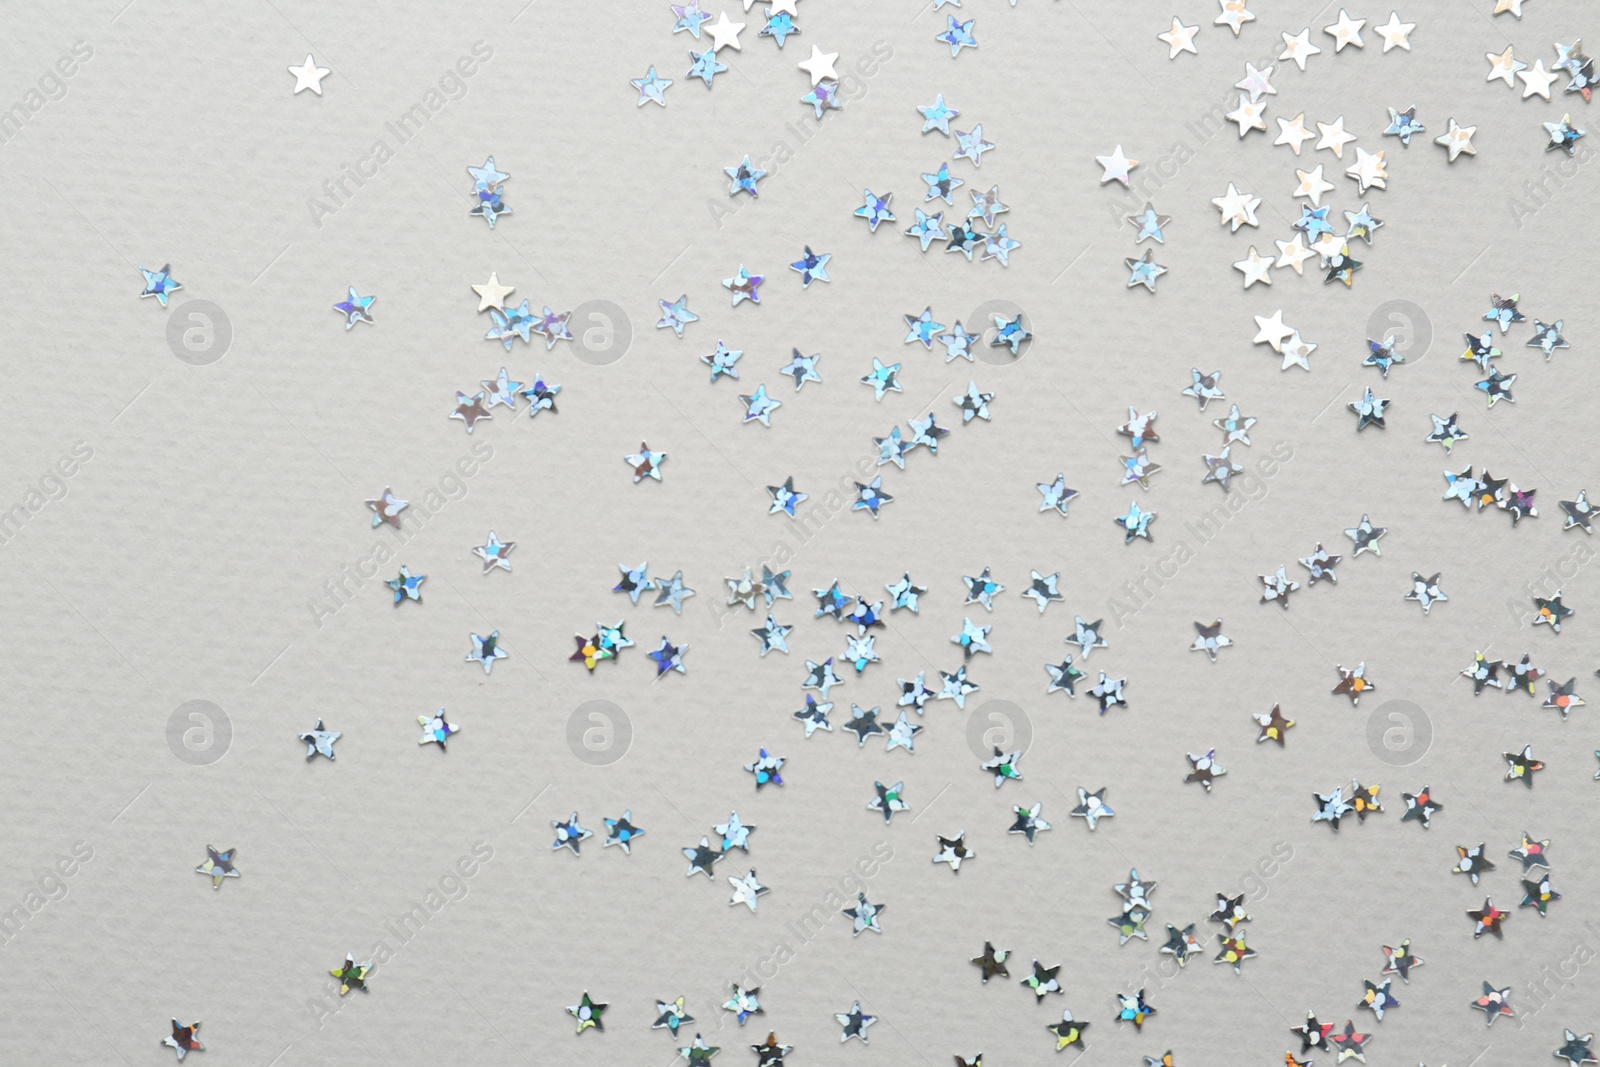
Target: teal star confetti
[[957, 35], [651, 88], [704, 65], [1144, 271], [928, 228], [745, 176], [160, 284], [937, 116]]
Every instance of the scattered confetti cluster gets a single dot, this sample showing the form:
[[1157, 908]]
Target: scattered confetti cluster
[[866, 647]]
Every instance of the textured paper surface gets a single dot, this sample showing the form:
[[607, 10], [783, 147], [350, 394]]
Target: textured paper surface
[[182, 561]]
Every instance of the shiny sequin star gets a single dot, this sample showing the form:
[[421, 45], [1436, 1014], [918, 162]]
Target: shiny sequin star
[[588, 1014], [1403, 124], [999, 246], [1204, 768], [956, 687], [1149, 224], [1575, 1049], [723, 362], [218, 865], [812, 267], [354, 307], [973, 403], [765, 769], [486, 650], [1144, 271], [744, 286], [668, 657], [937, 116], [186, 1039], [1234, 15], [1425, 591], [1092, 807], [621, 832], [406, 586], [470, 410], [568, 834], [744, 178], [1353, 683], [1549, 611], [160, 284], [882, 378], [1116, 167], [704, 66], [1136, 523], [1563, 135], [928, 228], [1497, 387], [1458, 139], [1579, 513], [1210, 639], [875, 209], [1042, 589], [785, 498], [957, 35], [1487, 920], [1063, 677], [1010, 333], [1237, 209], [886, 800], [675, 314], [645, 463], [1366, 537], [1219, 469], [1274, 725], [972, 145], [1521, 766], [1547, 336], [779, 26], [652, 88], [1369, 171], [759, 406]]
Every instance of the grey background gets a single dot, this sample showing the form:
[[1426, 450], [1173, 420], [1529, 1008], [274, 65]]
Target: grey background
[[182, 558]]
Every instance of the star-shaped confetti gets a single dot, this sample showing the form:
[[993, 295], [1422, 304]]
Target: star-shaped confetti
[[218, 865], [486, 650], [569, 834], [668, 657], [886, 799], [1092, 807], [937, 116], [953, 850], [875, 209], [621, 832], [992, 962], [812, 267], [1487, 920], [588, 1014], [674, 314]]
